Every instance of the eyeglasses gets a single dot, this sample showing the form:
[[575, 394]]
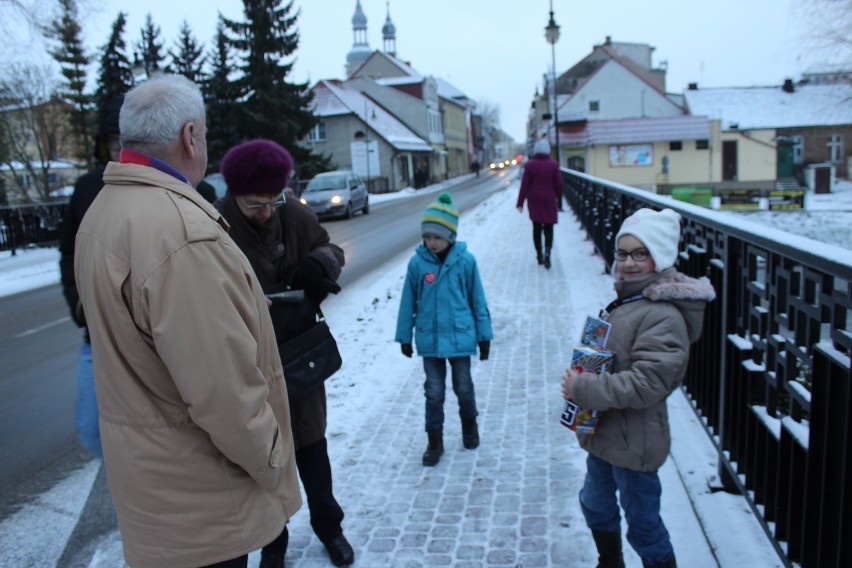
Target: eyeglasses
[[272, 206], [638, 255]]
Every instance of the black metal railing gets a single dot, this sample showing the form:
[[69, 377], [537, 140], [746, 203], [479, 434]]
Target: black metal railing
[[28, 225], [770, 377]]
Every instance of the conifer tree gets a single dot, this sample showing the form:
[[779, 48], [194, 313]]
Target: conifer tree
[[272, 106], [116, 76], [187, 56], [221, 98], [149, 50], [71, 55]]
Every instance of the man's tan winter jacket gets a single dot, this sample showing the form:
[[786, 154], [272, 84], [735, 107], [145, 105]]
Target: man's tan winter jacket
[[194, 417]]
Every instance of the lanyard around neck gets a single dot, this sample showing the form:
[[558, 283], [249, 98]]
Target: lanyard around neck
[[620, 302]]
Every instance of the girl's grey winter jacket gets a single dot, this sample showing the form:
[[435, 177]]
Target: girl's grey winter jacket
[[650, 338], [445, 303]]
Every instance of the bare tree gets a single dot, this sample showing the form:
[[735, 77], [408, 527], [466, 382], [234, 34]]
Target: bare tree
[[829, 28], [19, 17], [33, 131]]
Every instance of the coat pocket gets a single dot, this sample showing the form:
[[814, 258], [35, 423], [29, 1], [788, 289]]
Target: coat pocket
[[464, 336]]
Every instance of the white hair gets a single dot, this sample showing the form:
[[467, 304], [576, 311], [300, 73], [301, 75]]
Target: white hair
[[542, 146], [155, 111]]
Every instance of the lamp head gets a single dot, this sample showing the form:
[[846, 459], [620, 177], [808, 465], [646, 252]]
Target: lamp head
[[551, 32]]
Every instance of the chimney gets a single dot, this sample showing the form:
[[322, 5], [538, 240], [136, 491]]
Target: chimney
[[693, 86], [788, 86]]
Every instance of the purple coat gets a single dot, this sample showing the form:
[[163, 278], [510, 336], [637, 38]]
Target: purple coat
[[541, 187]]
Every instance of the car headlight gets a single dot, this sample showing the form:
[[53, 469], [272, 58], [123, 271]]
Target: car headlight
[[336, 200]]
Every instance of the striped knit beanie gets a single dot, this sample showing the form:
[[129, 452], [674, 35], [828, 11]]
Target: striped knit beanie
[[441, 218]]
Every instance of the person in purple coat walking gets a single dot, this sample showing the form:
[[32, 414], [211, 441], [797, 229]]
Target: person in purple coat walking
[[541, 188]]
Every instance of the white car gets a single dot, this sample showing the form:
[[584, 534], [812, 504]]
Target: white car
[[336, 194]]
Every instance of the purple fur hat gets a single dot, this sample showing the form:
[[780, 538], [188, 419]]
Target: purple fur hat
[[256, 167]]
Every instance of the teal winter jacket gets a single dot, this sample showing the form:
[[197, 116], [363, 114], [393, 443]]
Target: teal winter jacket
[[443, 304]]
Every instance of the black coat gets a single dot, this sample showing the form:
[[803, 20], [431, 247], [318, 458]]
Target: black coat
[[86, 189], [274, 253]]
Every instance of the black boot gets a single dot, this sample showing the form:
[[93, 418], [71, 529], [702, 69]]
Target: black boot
[[435, 450], [340, 551], [670, 563], [539, 257], [609, 549], [547, 259], [470, 433]]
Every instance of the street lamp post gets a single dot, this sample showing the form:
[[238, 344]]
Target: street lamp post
[[551, 33]]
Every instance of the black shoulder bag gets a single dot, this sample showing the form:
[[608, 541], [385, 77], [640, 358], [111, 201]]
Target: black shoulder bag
[[308, 351]]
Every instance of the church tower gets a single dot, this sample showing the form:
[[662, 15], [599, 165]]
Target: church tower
[[360, 48], [389, 34]]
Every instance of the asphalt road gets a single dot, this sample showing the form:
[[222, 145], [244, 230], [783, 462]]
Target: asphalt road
[[39, 342]]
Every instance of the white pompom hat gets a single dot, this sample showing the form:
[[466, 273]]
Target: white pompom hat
[[542, 146], [659, 231]]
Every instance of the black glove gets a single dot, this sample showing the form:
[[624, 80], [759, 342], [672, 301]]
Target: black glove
[[307, 274], [484, 349], [78, 315], [406, 349]]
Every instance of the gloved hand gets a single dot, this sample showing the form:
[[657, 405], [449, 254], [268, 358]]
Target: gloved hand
[[484, 349], [307, 274], [78, 315], [407, 350]]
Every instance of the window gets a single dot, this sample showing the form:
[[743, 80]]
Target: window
[[702, 144], [317, 133], [675, 145], [835, 148], [594, 106], [798, 149]]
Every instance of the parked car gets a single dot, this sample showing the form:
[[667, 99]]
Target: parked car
[[336, 194], [217, 180]]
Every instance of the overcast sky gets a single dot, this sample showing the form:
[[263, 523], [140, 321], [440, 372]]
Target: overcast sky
[[495, 51]]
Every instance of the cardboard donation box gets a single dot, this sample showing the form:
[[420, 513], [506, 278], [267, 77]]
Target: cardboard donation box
[[591, 356]]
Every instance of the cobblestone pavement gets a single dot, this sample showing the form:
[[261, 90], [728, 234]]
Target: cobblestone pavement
[[511, 502]]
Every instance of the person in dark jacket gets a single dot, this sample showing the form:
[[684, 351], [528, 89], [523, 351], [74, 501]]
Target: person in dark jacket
[[658, 314], [289, 249], [541, 188], [86, 188]]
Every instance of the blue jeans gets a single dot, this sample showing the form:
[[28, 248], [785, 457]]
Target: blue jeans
[[639, 493], [86, 407], [436, 385]]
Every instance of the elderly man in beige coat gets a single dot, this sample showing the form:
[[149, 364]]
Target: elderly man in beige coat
[[193, 407]]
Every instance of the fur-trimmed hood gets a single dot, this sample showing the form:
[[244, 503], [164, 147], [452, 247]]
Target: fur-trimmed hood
[[689, 295]]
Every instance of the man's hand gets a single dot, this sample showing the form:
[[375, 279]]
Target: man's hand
[[406, 349], [484, 350]]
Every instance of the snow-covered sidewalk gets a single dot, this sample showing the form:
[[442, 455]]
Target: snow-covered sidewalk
[[513, 501]]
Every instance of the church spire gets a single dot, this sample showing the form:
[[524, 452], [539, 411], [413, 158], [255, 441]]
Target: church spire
[[359, 26], [360, 48], [389, 34]]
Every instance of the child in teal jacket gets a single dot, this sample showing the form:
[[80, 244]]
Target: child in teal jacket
[[443, 306]]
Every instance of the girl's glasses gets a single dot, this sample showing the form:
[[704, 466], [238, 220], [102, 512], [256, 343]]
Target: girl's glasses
[[638, 255]]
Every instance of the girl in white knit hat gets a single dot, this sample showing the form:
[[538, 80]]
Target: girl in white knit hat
[[657, 315]]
